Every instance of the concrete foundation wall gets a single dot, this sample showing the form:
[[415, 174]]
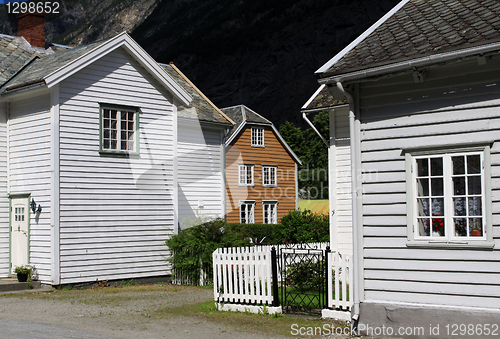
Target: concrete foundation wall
[[427, 321]]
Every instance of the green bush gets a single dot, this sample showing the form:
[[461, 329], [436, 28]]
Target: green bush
[[304, 226], [305, 275], [193, 247]]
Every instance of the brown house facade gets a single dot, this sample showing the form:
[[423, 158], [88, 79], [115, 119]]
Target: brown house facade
[[261, 170]]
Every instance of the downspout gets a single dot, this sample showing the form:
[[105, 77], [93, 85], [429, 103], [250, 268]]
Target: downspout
[[356, 230], [304, 115]]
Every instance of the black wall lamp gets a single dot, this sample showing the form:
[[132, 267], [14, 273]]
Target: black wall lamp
[[34, 208]]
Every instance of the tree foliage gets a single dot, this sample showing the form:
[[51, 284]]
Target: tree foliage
[[313, 174]]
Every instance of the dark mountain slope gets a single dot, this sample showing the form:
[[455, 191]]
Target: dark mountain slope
[[259, 53]]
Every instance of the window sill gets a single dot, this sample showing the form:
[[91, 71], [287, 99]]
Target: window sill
[[259, 146], [467, 244], [119, 154], [269, 186], [249, 185]]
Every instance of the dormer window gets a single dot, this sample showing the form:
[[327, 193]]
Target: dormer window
[[257, 137]]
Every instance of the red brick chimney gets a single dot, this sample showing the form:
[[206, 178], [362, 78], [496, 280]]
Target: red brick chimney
[[31, 26]]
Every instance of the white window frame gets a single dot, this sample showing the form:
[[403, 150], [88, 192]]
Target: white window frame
[[449, 240], [243, 174], [257, 137], [248, 208], [270, 206], [104, 108], [269, 173]]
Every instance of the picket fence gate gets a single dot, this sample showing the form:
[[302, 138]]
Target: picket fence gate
[[244, 275]]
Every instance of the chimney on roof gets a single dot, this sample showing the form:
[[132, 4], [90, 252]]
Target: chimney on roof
[[31, 26]]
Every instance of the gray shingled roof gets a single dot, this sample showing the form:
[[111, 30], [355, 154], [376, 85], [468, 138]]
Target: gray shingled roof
[[12, 57], [425, 27], [324, 99], [199, 109], [241, 113], [45, 65]]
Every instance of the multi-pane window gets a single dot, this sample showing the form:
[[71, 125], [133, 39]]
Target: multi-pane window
[[245, 174], [118, 130], [269, 177], [18, 213], [449, 196], [247, 209], [270, 212], [257, 137]]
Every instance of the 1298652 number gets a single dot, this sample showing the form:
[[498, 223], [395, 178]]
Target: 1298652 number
[[32, 7], [472, 330]]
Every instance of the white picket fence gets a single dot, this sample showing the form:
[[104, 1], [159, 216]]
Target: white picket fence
[[243, 275], [340, 277]]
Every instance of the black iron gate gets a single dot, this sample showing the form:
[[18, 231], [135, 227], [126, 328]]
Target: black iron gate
[[303, 278]]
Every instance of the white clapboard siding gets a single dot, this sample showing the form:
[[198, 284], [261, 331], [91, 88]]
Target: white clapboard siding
[[115, 212], [200, 176], [243, 275], [341, 150], [4, 201], [29, 130], [396, 115]]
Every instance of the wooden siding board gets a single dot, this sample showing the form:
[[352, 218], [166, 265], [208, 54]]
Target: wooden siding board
[[4, 202], [273, 154], [105, 200], [393, 271], [30, 171]]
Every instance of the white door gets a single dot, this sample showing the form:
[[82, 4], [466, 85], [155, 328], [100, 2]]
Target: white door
[[19, 217]]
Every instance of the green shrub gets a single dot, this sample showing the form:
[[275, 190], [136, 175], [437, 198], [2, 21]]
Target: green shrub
[[304, 226], [193, 247], [305, 275]]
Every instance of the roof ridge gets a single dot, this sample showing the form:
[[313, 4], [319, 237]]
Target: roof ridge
[[260, 116]]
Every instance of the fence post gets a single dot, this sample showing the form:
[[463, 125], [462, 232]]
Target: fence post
[[274, 268], [326, 293]]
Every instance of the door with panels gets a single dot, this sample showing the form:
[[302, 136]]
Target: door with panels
[[19, 228]]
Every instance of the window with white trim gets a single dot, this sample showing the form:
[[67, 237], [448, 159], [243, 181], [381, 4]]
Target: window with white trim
[[270, 212], [245, 174], [257, 137], [247, 215], [269, 176], [119, 127], [449, 197]]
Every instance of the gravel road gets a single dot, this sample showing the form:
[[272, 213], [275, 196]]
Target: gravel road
[[121, 314]]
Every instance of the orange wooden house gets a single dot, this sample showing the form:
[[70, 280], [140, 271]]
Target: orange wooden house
[[261, 170]]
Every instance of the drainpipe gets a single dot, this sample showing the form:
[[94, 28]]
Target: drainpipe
[[304, 115], [356, 230]]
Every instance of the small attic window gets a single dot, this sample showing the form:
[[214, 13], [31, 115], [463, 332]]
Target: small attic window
[[257, 137]]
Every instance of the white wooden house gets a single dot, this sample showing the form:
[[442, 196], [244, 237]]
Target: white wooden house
[[420, 92], [88, 136], [201, 128]]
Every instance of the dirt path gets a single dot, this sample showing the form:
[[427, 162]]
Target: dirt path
[[138, 312]]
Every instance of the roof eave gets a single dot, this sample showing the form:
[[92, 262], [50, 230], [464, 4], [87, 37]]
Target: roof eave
[[407, 65]]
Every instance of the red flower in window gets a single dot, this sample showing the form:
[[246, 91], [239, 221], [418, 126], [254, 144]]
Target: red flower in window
[[437, 225]]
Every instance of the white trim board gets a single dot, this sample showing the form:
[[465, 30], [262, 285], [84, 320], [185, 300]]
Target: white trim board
[[360, 38], [136, 51]]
